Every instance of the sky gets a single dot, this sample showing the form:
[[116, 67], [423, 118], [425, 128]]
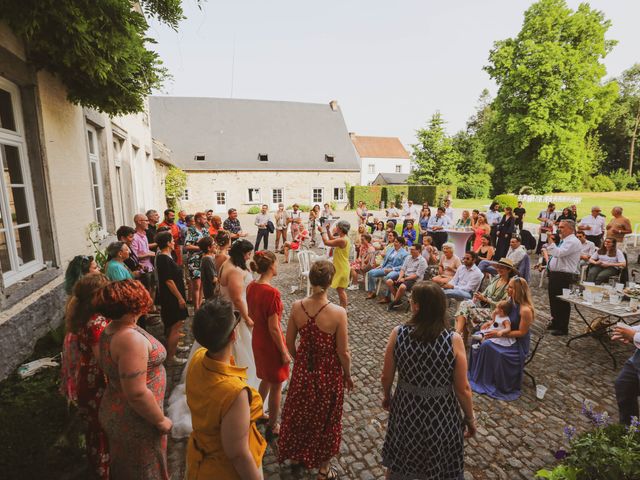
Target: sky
[[389, 64]]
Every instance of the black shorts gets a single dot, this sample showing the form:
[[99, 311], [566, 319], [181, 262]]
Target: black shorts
[[410, 283]]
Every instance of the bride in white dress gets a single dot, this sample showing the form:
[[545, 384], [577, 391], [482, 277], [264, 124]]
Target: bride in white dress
[[234, 276]]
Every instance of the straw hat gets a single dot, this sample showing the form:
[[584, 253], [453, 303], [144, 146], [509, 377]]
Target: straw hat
[[504, 262]]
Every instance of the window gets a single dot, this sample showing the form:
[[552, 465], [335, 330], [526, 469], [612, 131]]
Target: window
[[263, 157], [277, 195], [398, 168], [199, 157], [329, 158], [372, 168], [186, 194], [95, 177], [254, 195], [339, 194], [221, 198], [19, 245], [317, 195]]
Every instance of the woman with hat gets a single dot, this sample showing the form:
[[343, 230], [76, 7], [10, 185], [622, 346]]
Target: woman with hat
[[478, 310], [225, 442], [339, 240], [497, 370]]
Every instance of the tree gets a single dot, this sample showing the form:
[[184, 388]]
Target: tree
[[619, 128], [174, 186], [474, 169], [435, 158], [550, 97], [98, 49]]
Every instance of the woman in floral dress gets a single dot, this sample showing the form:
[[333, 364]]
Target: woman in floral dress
[[195, 232], [312, 416], [83, 381], [131, 411]]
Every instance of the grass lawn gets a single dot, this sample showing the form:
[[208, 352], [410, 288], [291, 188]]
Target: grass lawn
[[629, 201]]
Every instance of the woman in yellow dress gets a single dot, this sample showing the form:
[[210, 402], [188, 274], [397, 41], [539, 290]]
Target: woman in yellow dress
[[341, 248], [225, 442]]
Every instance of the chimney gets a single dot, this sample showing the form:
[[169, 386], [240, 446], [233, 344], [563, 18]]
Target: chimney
[[334, 105]]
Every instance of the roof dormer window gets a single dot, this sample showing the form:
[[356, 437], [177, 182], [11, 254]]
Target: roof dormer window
[[329, 158], [199, 157], [263, 157]]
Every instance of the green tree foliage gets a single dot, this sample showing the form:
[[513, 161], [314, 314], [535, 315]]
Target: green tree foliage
[[435, 156], [98, 49], [174, 186], [620, 126], [550, 97], [474, 169]]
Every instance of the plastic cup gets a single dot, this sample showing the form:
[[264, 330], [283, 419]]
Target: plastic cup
[[566, 292], [619, 287], [614, 299], [540, 391]]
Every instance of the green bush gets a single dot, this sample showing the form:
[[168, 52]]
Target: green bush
[[506, 200], [253, 210], [476, 186], [599, 183], [623, 180], [394, 193], [369, 194]]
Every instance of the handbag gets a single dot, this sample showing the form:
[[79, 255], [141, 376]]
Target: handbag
[[270, 227]]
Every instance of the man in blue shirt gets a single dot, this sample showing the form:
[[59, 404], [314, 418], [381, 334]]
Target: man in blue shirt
[[390, 268]]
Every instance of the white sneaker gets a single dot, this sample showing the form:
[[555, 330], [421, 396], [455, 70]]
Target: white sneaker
[[477, 336], [353, 287]]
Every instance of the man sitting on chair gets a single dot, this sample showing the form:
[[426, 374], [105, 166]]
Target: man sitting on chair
[[467, 279], [412, 270]]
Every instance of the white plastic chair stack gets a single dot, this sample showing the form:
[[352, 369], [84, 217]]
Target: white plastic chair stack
[[304, 265], [630, 238]]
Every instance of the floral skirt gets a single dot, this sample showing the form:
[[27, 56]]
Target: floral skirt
[[473, 313]]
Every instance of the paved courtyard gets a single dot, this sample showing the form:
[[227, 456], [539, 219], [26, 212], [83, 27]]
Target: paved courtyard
[[514, 439]]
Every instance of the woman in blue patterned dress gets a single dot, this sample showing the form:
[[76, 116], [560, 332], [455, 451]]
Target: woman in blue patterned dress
[[195, 232], [425, 431]]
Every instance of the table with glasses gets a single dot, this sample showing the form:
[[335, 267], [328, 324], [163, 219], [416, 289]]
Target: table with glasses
[[621, 311], [459, 238]]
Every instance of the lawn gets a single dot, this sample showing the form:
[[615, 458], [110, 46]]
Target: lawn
[[629, 201]]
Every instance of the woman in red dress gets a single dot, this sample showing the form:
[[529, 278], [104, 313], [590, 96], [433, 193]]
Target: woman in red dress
[[312, 416], [83, 381], [131, 411], [269, 348]]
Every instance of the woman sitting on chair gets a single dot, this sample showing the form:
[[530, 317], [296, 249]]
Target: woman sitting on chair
[[606, 262], [295, 243]]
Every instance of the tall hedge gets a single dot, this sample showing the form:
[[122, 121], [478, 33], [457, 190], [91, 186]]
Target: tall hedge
[[373, 194]]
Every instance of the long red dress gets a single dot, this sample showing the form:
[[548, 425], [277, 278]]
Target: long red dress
[[83, 382], [312, 416], [137, 449], [263, 300]]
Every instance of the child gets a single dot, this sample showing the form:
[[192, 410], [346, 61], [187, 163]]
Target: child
[[499, 322], [429, 252], [409, 233]]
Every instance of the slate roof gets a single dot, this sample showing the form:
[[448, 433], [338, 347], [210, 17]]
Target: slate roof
[[379, 147], [391, 179], [232, 133]]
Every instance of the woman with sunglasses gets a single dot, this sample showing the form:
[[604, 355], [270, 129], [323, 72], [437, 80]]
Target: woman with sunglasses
[[497, 370], [225, 442]]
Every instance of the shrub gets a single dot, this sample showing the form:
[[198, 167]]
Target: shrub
[[623, 180], [506, 200], [527, 190], [253, 210], [369, 194], [599, 183], [475, 186]]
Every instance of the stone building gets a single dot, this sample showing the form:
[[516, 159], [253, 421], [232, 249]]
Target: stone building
[[241, 153], [380, 155], [65, 167]]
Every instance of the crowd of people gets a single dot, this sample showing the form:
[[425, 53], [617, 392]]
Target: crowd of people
[[234, 375]]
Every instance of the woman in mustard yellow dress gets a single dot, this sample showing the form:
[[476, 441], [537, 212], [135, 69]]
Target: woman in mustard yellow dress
[[225, 442], [339, 240]]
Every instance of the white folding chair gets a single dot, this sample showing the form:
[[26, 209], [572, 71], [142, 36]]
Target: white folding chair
[[632, 237], [304, 266]]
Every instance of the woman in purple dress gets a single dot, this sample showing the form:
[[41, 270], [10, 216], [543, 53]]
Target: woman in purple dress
[[497, 370]]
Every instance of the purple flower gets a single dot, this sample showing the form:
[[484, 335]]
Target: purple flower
[[561, 454], [569, 432], [596, 418], [634, 426]]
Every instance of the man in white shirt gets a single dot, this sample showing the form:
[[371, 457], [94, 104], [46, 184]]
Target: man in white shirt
[[448, 211], [562, 268], [436, 226], [261, 221], [588, 248], [516, 253], [393, 214], [410, 212], [493, 219], [547, 219], [628, 381], [411, 272], [466, 280], [593, 226]]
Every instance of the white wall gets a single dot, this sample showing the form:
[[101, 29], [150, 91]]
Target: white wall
[[297, 188], [381, 165]]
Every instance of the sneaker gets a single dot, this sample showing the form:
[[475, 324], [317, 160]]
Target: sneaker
[[184, 348], [353, 287], [175, 361], [477, 337]]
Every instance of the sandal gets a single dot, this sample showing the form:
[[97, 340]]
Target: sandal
[[330, 474]]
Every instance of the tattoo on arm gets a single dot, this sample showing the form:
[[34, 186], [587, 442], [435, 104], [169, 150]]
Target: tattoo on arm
[[131, 375]]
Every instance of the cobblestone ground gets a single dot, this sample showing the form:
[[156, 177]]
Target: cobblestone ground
[[514, 439]]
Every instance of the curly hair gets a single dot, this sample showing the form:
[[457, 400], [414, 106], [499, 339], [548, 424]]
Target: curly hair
[[120, 298], [79, 308]]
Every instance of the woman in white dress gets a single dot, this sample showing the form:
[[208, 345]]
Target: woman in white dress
[[234, 276]]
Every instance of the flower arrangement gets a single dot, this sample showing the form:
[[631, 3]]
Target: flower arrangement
[[607, 451]]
